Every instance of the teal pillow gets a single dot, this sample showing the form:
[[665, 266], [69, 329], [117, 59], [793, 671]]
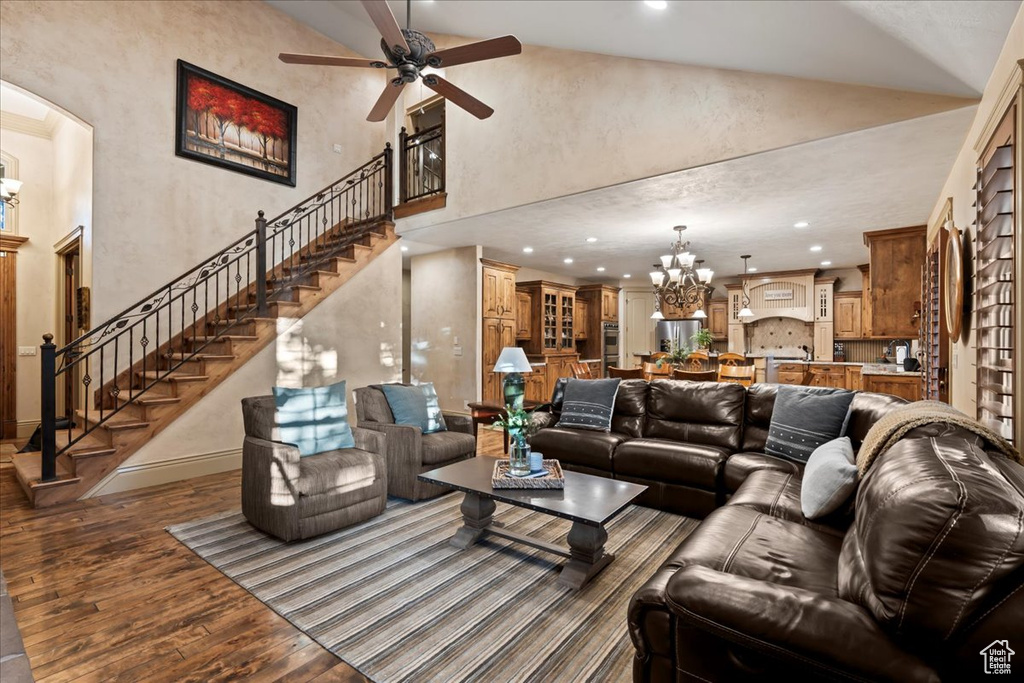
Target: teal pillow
[[315, 419], [830, 478], [416, 406]]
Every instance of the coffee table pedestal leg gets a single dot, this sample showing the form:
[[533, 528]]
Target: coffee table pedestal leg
[[586, 555], [476, 517]]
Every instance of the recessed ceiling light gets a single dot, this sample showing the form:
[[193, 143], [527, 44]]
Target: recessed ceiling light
[[405, 248], [816, 247], [826, 263], [627, 276], [591, 239], [656, 4], [751, 270], [527, 250], [600, 269], [567, 260], [801, 224]]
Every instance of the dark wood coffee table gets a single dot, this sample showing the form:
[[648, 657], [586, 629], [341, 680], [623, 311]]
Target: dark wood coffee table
[[589, 502]]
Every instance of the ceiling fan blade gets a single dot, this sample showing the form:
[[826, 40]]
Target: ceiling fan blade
[[385, 22], [386, 100], [457, 96], [324, 60], [505, 46]]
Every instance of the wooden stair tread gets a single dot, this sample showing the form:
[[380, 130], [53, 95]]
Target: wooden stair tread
[[202, 356], [29, 467], [228, 337], [80, 453], [114, 423], [172, 377], [147, 399]]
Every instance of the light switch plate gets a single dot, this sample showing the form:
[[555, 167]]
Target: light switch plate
[[457, 350], [337, 149], [26, 350]]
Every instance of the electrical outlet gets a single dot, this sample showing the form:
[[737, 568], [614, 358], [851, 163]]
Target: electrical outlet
[[337, 149], [26, 350]]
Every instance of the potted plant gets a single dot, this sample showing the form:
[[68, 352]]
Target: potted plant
[[702, 338], [518, 424], [676, 355]]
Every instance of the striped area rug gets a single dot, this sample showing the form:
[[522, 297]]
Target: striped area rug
[[392, 598]]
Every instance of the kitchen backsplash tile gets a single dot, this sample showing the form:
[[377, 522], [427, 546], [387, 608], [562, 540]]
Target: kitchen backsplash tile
[[781, 337]]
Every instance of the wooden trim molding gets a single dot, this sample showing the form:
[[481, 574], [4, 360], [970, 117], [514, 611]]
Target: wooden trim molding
[[422, 205], [894, 233], [11, 242], [1014, 82]]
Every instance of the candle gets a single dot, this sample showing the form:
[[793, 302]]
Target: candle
[[536, 462]]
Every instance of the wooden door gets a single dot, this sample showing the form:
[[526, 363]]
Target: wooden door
[[8, 338], [492, 303], [609, 306], [718, 319], [497, 335], [581, 315], [71, 276], [847, 317], [507, 295], [638, 335], [523, 315]]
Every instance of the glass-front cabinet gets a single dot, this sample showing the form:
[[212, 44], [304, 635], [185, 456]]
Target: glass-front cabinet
[[552, 326], [567, 338]]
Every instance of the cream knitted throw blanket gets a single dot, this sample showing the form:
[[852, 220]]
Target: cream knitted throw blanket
[[892, 427]]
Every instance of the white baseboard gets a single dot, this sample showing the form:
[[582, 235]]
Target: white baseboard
[[25, 428], [165, 471]]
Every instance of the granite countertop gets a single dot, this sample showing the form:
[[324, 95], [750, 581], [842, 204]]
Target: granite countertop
[[887, 369], [813, 362]]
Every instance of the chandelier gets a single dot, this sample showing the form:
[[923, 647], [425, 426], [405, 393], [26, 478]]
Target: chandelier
[[677, 282]]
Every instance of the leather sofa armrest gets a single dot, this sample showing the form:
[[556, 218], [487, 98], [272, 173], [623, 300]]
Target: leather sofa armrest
[[370, 440], [823, 633], [740, 465], [458, 422]]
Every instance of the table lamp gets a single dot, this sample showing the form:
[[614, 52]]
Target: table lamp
[[512, 361]]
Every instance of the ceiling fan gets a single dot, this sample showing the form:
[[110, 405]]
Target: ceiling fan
[[409, 52]]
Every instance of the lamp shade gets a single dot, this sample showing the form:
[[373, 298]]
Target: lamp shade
[[512, 359], [666, 261], [657, 315], [657, 277], [745, 313], [11, 186], [705, 275], [700, 314]]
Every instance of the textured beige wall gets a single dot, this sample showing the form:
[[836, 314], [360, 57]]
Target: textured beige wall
[[72, 187], [353, 335], [566, 121], [36, 262], [960, 186], [446, 293], [112, 64]]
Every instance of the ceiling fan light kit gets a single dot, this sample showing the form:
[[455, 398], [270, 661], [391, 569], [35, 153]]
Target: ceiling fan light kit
[[408, 52]]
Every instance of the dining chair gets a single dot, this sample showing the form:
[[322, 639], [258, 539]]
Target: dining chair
[[736, 374], [581, 371], [626, 373], [731, 359], [696, 376], [697, 361], [653, 371]]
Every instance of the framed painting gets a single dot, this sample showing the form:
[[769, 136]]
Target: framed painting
[[226, 124]]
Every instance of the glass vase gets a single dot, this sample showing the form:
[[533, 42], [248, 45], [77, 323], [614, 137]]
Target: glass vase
[[518, 459]]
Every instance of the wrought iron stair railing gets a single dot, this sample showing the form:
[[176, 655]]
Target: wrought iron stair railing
[[131, 353], [421, 169]]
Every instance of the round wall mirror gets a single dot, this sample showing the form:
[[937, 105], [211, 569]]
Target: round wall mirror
[[954, 283]]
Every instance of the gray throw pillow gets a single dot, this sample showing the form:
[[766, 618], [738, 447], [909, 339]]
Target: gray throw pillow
[[804, 418], [588, 404], [830, 478]]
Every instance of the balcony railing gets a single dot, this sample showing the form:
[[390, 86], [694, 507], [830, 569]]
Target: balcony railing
[[421, 163]]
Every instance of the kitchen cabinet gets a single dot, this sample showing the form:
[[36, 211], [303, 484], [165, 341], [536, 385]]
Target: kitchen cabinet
[[905, 386], [524, 304], [832, 376], [552, 318], [854, 379], [718, 319], [499, 295], [823, 299], [896, 259], [557, 367], [497, 335], [791, 373], [865, 301], [823, 341], [847, 323], [536, 386], [498, 310], [580, 316]]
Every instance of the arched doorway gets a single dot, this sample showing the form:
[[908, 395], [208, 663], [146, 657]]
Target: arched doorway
[[45, 247]]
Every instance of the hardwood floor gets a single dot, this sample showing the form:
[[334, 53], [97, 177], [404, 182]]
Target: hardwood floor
[[102, 593]]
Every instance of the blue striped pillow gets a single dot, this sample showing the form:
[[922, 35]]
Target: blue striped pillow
[[589, 404], [314, 419]]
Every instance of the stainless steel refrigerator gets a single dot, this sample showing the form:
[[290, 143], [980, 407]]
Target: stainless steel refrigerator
[[675, 332]]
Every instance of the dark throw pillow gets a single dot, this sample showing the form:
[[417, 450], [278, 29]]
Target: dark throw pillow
[[804, 418], [588, 404]]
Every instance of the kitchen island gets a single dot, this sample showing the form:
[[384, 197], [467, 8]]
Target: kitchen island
[[884, 378]]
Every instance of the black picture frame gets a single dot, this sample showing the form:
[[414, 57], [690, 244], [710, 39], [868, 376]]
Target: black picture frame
[[240, 129]]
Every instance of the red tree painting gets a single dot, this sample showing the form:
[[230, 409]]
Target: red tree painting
[[232, 125]]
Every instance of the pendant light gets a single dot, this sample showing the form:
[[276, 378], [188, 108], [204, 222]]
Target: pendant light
[[745, 313]]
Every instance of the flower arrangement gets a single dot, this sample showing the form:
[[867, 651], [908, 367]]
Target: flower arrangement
[[676, 355], [518, 423]]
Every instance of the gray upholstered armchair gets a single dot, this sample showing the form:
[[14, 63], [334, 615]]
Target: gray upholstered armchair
[[410, 451], [295, 497]]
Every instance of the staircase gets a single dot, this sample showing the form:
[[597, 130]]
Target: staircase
[[146, 366]]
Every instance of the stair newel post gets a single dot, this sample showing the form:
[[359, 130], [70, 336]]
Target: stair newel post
[[48, 419], [261, 264], [389, 179]]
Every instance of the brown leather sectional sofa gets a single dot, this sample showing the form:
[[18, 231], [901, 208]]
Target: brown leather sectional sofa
[[910, 583]]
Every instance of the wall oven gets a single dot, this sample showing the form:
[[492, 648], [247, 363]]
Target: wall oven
[[610, 345]]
